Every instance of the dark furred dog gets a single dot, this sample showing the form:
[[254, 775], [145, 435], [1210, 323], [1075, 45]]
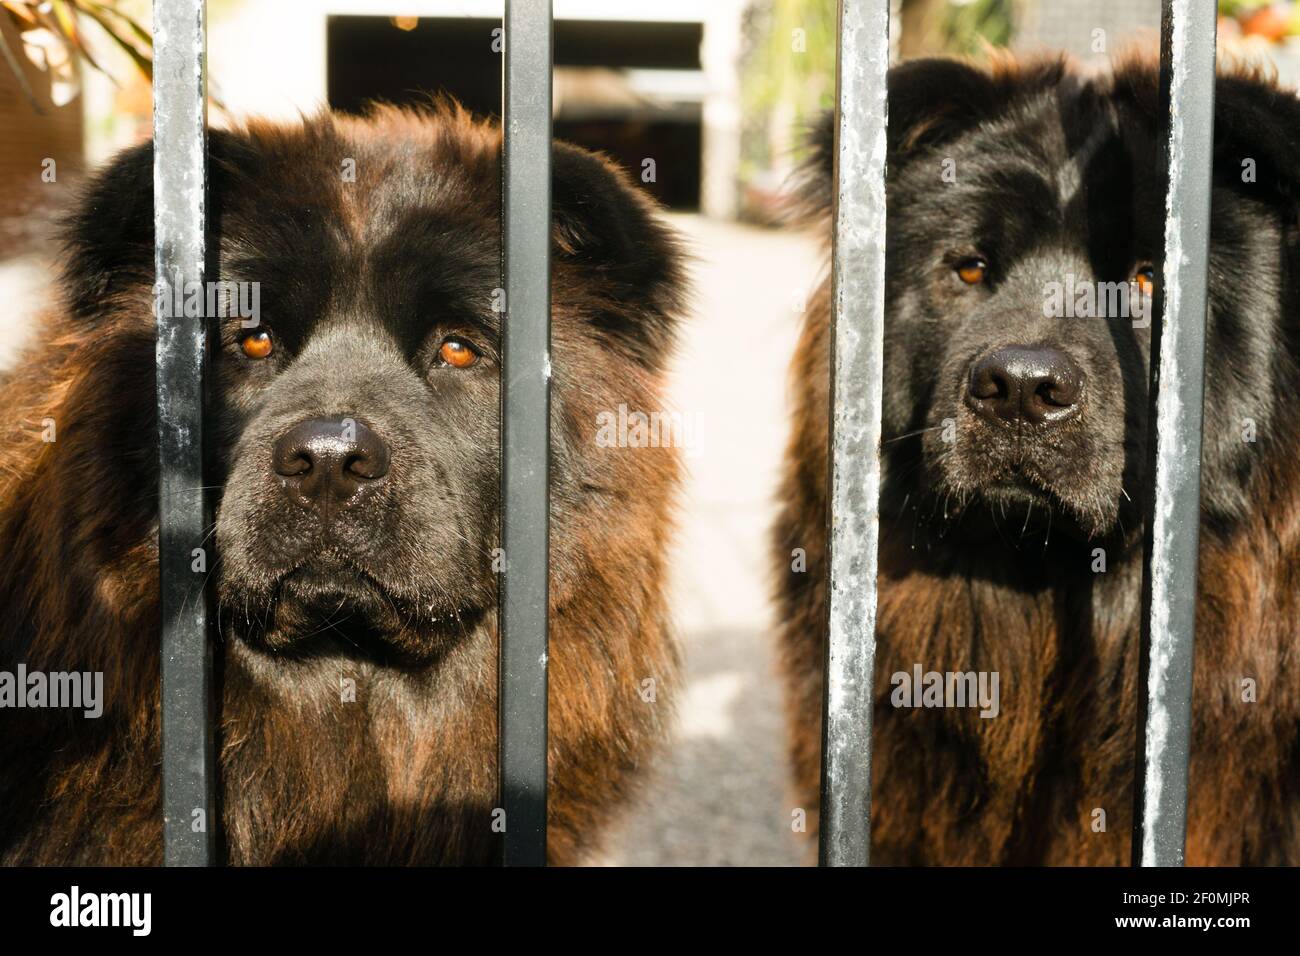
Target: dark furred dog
[[1014, 446], [355, 464]]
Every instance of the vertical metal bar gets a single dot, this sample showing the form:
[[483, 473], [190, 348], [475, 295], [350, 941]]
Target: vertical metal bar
[[858, 317], [180, 169], [525, 429], [1174, 484]]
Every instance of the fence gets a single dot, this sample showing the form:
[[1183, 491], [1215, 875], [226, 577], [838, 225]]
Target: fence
[[1171, 508]]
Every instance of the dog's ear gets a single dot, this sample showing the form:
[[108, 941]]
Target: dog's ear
[[608, 229], [1257, 138], [108, 234], [931, 101], [1256, 128]]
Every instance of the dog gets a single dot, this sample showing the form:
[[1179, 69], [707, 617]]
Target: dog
[[354, 467], [1024, 228]]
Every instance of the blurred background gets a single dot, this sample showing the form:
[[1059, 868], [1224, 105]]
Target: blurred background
[[717, 94]]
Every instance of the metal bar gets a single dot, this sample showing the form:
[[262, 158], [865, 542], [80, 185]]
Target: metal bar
[[525, 429], [1174, 464], [858, 317], [180, 170]]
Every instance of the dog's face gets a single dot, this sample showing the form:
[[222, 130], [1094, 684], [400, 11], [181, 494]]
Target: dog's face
[[354, 424], [1023, 407], [1024, 224]]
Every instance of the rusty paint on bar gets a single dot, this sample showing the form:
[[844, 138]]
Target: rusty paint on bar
[[525, 423], [1177, 388], [858, 316], [180, 169]]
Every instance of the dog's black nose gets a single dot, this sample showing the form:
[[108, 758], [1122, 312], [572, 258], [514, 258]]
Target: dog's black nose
[[1036, 385], [325, 462]]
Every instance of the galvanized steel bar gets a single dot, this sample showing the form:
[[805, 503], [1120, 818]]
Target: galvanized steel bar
[[525, 429], [858, 317], [180, 167], [1173, 488]]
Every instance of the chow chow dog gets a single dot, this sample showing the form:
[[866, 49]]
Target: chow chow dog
[[1013, 456], [354, 467]]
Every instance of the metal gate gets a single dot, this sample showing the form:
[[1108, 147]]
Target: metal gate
[[858, 261]]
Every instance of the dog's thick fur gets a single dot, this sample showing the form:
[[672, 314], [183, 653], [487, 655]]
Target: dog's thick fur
[[989, 542], [360, 282]]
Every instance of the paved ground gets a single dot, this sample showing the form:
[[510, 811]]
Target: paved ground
[[721, 796]]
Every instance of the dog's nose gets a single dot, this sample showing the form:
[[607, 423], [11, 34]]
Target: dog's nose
[[326, 462], [1036, 385]]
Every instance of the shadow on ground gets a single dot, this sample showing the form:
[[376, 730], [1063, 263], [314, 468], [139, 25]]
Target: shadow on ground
[[720, 796]]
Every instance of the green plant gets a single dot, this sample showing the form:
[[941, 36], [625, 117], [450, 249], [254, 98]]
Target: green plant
[[972, 25]]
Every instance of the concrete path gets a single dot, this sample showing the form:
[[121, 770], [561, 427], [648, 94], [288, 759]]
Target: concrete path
[[720, 797]]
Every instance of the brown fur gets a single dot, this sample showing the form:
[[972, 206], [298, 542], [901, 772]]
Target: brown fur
[[407, 774], [950, 788]]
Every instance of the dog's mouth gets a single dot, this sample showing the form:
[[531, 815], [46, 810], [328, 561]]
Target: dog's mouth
[[1025, 449], [327, 602], [1024, 506], [326, 581], [1020, 500]]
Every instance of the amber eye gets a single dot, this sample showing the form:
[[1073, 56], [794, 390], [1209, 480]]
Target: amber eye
[[258, 345], [457, 353], [1145, 278], [971, 271]]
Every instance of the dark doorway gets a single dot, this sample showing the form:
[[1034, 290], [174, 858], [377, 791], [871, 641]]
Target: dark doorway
[[611, 93]]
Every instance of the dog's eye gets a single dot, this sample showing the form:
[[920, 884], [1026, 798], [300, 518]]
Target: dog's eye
[[457, 353], [258, 345], [1145, 277], [971, 271]]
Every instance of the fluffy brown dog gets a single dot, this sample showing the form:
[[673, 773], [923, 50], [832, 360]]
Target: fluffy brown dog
[[355, 469], [1013, 450]]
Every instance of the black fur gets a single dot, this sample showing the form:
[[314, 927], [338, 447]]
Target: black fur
[[1012, 547]]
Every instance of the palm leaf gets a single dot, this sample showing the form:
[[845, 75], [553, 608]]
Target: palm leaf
[[19, 74], [98, 13], [63, 24], [140, 32]]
